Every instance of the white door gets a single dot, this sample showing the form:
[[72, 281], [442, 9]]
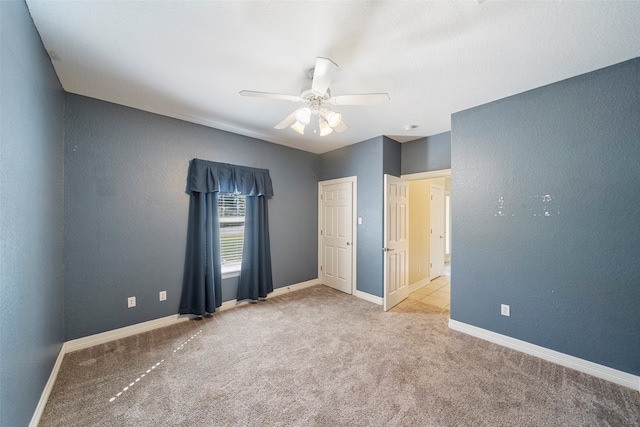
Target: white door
[[336, 234], [437, 240], [396, 243]]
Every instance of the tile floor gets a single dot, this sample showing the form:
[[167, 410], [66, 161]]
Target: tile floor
[[437, 292]]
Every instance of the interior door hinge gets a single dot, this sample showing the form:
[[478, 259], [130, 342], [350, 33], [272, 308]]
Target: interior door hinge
[[321, 232], [320, 268]]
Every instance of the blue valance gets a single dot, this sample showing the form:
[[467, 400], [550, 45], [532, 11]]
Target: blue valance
[[209, 177]]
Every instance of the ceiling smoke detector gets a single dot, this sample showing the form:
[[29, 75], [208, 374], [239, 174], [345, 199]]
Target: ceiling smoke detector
[[410, 128]]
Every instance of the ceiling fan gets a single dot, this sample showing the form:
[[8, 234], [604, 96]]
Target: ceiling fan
[[316, 97]]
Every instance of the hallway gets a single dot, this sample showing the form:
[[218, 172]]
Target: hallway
[[437, 292]]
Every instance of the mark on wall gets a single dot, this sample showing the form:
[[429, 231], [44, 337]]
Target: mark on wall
[[537, 206], [548, 205], [501, 210]]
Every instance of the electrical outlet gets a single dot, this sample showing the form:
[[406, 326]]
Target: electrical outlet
[[163, 295], [505, 310], [131, 302]]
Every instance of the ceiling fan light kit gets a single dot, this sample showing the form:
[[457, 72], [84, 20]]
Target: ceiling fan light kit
[[303, 115], [319, 93], [325, 127], [298, 127], [333, 118]]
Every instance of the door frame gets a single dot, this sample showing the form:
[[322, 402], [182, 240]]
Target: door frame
[[433, 185], [441, 173], [354, 226]]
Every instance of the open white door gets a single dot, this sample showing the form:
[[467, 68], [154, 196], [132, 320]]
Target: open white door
[[396, 240], [337, 243], [437, 237]]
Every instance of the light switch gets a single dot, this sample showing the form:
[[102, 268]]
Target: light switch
[[359, 220]]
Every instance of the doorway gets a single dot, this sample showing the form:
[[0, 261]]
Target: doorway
[[429, 263]]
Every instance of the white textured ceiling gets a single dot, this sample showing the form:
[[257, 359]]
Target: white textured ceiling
[[189, 59]]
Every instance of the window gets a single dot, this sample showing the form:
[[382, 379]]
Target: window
[[231, 208]]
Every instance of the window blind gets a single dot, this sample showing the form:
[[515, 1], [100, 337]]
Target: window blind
[[231, 210]]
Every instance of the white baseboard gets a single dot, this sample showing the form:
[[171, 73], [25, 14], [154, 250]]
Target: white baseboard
[[419, 284], [101, 338], [368, 297], [572, 362], [278, 291], [228, 304], [293, 288], [44, 397], [115, 334]]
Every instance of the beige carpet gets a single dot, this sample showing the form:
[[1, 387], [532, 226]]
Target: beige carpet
[[318, 357]]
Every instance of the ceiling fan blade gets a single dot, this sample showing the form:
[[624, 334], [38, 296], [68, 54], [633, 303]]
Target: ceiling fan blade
[[363, 99], [323, 73], [287, 121], [268, 95], [341, 127]]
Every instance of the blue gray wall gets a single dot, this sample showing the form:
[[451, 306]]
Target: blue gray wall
[[427, 154], [545, 216], [391, 158], [368, 160], [126, 210], [31, 215]]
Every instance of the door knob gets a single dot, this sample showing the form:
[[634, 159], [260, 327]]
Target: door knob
[[348, 243]]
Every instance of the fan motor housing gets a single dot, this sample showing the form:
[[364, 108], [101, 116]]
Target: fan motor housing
[[314, 101]]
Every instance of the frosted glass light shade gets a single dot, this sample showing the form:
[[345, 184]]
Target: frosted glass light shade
[[333, 118], [298, 127], [325, 129], [303, 115]]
